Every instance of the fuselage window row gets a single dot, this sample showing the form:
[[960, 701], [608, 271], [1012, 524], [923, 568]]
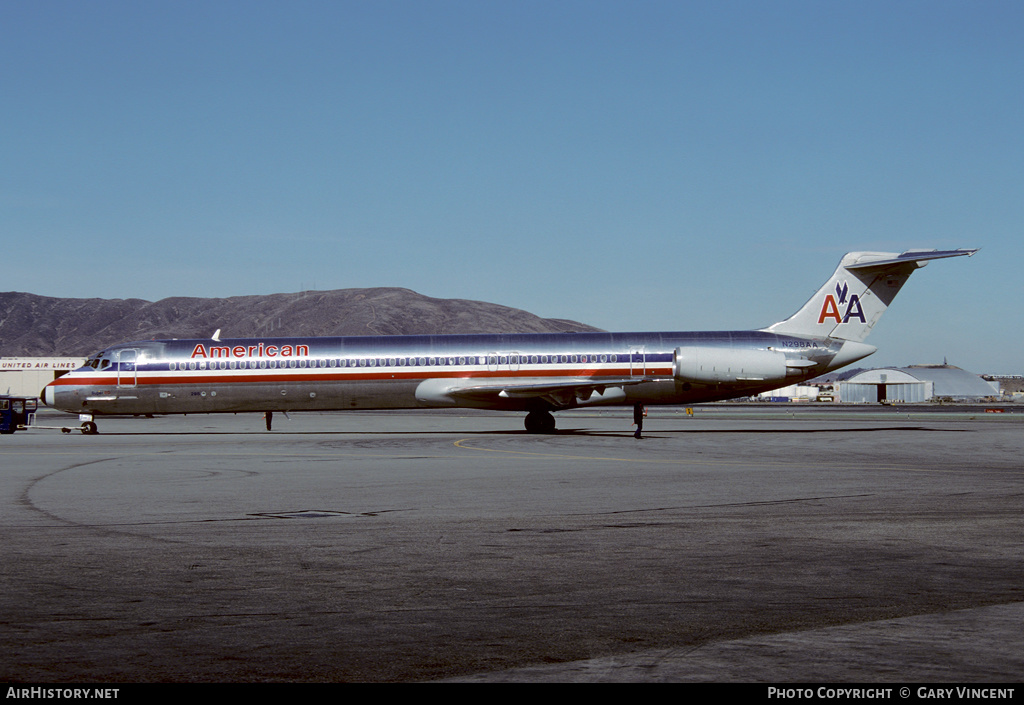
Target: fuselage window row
[[391, 362]]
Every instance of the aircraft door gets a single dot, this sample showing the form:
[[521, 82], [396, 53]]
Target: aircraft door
[[126, 372], [637, 361]]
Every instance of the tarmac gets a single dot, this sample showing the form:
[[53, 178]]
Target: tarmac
[[749, 544]]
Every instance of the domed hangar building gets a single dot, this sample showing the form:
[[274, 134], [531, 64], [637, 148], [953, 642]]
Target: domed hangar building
[[917, 383]]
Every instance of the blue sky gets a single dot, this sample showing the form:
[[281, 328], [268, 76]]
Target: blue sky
[[632, 165]]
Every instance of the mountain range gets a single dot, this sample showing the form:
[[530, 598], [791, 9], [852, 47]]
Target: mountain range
[[32, 325]]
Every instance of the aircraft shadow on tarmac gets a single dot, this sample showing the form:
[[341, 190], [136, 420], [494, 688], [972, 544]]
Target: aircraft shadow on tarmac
[[574, 432]]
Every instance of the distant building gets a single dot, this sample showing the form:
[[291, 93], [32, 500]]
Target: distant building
[[26, 376], [795, 392], [917, 383]]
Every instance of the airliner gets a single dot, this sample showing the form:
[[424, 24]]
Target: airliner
[[537, 373]]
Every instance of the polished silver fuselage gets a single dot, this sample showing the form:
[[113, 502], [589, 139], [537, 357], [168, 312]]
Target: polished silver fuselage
[[517, 372]]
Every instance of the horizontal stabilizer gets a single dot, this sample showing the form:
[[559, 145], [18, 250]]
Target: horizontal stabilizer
[[919, 257]]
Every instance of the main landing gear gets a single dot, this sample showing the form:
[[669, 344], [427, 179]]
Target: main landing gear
[[268, 417], [540, 422]]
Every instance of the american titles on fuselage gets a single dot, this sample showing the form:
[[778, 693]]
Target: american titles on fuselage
[[258, 350]]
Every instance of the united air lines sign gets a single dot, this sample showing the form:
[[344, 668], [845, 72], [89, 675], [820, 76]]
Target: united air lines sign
[[41, 364], [26, 375]]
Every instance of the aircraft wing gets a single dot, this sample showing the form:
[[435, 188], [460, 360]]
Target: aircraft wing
[[559, 393]]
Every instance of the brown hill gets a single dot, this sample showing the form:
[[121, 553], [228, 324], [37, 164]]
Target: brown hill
[[33, 325]]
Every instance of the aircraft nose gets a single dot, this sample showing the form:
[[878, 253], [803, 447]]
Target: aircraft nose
[[46, 395]]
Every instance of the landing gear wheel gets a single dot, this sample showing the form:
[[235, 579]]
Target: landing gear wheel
[[540, 422], [89, 428]]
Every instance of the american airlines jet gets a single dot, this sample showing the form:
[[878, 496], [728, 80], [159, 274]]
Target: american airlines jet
[[534, 373]]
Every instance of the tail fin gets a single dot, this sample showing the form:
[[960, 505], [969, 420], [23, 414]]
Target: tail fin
[[850, 303]]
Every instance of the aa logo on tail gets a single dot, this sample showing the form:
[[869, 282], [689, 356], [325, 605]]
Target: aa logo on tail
[[830, 307]]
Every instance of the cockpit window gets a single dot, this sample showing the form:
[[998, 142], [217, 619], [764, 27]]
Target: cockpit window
[[99, 361]]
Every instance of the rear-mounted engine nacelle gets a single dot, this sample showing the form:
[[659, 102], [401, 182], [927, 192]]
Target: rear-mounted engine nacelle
[[713, 365]]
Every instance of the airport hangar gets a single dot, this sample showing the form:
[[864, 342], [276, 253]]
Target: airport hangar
[[916, 383]]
